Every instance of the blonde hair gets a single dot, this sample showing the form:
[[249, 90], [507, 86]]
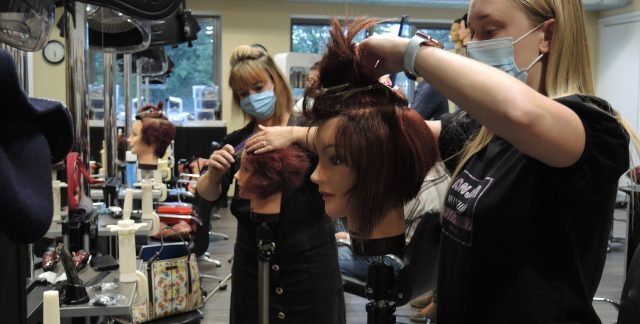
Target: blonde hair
[[249, 65], [568, 51]]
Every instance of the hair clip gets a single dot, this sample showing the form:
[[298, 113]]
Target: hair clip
[[350, 91], [325, 91]]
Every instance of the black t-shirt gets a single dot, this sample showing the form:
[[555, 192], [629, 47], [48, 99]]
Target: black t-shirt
[[524, 242]]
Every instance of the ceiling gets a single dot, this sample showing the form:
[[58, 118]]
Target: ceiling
[[460, 4]]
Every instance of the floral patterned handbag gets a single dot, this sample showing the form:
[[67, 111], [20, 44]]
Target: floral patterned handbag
[[174, 287]]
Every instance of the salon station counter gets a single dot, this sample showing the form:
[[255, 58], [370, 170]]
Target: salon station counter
[[90, 278]]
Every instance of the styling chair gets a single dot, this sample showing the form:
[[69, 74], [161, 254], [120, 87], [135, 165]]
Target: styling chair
[[629, 306], [629, 311], [418, 265]]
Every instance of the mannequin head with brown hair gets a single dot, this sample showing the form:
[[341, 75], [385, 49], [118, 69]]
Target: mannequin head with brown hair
[[373, 151], [262, 175], [151, 134], [262, 178]]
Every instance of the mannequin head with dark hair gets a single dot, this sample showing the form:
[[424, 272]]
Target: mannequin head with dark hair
[[373, 151], [262, 178], [151, 134], [263, 175]]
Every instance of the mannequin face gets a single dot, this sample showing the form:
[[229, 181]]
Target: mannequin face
[[136, 145], [241, 177], [333, 177]]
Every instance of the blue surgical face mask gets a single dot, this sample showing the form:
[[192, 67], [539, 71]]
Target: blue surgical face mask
[[259, 105], [499, 54]]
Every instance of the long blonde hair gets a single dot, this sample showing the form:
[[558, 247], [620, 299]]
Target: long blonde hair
[[248, 65], [561, 78]]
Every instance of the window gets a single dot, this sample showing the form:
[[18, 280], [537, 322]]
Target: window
[[311, 35], [190, 92]]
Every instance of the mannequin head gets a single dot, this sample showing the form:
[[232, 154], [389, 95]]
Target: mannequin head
[[373, 151], [151, 134], [263, 175]]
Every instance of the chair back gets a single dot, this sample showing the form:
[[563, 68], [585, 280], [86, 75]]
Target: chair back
[[629, 311], [419, 272]]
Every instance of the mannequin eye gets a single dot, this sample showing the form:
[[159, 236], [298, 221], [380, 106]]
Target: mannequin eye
[[335, 160]]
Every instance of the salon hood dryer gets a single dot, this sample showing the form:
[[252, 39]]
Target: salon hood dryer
[[26, 24], [180, 27], [150, 10], [153, 61], [113, 31]]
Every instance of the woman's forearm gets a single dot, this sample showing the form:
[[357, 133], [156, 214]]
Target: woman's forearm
[[209, 186]]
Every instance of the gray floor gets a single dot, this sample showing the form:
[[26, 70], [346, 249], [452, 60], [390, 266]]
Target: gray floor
[[216, 309]]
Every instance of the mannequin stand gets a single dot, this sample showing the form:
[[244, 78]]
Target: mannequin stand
[[381, 284], [266, 249]]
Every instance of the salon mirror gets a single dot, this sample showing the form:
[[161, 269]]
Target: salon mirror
[[26, 24]]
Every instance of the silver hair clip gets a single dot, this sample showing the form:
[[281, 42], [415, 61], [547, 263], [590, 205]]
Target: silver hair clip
[[324, 91]]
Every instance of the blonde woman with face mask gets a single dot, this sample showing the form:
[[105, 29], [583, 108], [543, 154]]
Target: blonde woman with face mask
[[305, 279], [535, 160], [527, 216]]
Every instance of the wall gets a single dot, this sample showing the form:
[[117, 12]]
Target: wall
[[49, 80], [246, 22], [268, 23], [634, 6]]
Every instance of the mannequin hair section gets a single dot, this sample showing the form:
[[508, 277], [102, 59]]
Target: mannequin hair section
[[276, 171], [388, 146]]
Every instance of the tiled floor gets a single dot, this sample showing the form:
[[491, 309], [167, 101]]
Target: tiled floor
[[216, 309]]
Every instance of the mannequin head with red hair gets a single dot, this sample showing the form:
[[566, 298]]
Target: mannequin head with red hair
[[263, 175]]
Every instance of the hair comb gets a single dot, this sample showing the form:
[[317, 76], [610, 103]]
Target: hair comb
[[240, 147]]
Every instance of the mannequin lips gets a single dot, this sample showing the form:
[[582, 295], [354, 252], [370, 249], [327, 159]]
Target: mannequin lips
[[326, 196]]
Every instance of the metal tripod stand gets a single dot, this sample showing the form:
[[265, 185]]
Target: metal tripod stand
[[381, 288], [266, 249]]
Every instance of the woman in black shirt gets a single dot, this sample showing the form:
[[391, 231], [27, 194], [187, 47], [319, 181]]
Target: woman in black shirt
[[536, 167], [305, 280]]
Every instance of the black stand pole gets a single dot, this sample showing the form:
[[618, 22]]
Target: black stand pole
[[380, 292], [381, 284], [266, 250]]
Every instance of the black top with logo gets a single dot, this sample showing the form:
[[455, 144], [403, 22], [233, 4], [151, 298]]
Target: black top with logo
[[524, 242]]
